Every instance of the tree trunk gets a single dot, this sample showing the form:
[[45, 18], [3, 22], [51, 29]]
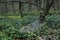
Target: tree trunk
[[30, 6], [48, 6], [5, 6], [20, 9]]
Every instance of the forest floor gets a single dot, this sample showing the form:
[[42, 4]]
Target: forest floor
[[31, 27]]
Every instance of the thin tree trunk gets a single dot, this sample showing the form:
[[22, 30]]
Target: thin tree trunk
[[39, 4], [5, 6], [30, 6], [13, 6], [48, 6], [20, 9]]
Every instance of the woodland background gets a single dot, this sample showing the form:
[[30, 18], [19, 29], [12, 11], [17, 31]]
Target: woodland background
[[29, 19]]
